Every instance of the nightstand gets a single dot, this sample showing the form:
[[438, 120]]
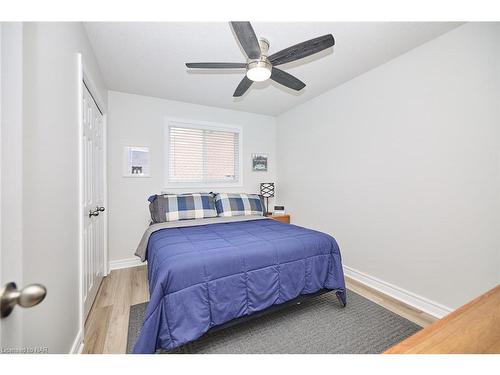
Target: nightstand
[[283, 218]]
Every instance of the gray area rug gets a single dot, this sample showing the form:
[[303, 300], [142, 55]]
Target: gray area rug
[[317, 325]]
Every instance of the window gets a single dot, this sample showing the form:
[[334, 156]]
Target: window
[[202, 154]]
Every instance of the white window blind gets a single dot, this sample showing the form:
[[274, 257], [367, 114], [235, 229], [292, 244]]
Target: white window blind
[[203, 155]]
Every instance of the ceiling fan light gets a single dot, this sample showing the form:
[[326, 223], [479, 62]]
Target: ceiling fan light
[[259, 71], [258, 74]]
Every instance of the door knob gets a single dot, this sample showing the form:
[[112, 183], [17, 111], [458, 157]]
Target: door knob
[[29, 296], [102, 209], [94, 213]]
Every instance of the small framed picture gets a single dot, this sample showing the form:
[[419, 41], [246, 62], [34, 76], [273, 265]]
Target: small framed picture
[[135, 161], [259, 162]]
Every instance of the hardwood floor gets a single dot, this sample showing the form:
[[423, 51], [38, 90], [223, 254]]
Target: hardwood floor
[[416, 316], [107, 324]]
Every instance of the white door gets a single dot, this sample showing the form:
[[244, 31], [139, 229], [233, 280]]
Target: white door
[[12, 291], [93, 200]]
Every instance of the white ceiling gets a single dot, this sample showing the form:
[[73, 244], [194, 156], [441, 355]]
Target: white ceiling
[[148, 58]]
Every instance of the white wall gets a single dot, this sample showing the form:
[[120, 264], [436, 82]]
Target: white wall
[[136, 120], [50, 178], [401, 165]]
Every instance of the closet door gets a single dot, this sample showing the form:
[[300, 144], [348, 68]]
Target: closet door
[[93, 200]]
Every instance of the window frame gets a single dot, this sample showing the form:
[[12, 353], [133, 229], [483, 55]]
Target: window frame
[[204, 125]]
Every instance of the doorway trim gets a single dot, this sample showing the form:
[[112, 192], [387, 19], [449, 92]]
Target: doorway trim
[[85, 79]]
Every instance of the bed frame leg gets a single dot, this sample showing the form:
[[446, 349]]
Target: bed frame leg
[[342, 297]]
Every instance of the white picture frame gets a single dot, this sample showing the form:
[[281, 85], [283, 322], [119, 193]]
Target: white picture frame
[[260, 162], [136, 161]]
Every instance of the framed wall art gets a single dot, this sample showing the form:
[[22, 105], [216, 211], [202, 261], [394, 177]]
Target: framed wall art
[[136, 161], [259, 162]]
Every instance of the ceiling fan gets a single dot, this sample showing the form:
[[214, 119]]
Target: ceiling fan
[[259, 66]]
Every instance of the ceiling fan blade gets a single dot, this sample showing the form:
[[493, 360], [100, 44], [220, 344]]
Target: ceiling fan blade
[[242, 87], [247, 38], [286, 79], [216, 65], [302, 50]]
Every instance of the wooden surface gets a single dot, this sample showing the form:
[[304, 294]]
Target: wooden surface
[[107, 325], [473, 328], [283, 218], [416, 316]]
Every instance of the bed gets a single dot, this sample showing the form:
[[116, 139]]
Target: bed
[[204, 273]]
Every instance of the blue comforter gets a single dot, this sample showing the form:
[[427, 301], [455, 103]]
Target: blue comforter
[[206, 275]]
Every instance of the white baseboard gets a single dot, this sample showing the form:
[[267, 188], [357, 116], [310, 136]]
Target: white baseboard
[[77, 347], [421, 303], [125, 263]]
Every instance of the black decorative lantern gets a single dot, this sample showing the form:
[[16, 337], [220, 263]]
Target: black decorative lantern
[[267, 191]]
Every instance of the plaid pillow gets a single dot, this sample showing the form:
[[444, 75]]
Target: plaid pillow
[[172, 207], [239, 204]]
